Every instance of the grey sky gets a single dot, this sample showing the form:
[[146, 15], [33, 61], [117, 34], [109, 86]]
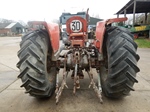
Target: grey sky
[[49, 9]]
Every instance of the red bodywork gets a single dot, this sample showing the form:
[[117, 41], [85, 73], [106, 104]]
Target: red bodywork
[[77, 38], [100, 31], [53, 31]]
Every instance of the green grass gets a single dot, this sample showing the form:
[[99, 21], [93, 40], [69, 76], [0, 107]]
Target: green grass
[[143, 43]]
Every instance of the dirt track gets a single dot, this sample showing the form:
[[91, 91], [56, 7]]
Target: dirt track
[[13, 98]]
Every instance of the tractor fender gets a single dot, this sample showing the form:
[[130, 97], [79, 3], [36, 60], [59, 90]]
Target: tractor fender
[[100, 31], [53, 31]]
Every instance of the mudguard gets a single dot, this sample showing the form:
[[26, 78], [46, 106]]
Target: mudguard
[[100, 31], [53, 31]]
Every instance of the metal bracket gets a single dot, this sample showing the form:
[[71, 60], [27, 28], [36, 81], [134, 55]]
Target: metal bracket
[[97, 90]]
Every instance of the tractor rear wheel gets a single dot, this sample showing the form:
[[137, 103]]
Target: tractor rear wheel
[[37, 76], [118, 74]]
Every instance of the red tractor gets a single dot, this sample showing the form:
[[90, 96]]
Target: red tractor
[[112, 54]]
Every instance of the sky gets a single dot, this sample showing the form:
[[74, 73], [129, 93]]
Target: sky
[[51, 9]]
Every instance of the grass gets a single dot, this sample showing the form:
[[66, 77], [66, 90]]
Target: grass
[[143, 43]]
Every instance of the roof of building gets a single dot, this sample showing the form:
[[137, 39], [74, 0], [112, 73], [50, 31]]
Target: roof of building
[[3, 25], [10, 25], [142, 6]]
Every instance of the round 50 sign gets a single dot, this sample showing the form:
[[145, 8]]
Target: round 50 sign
[[76, 25]]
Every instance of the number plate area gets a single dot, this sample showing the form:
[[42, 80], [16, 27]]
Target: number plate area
[[76, 25]]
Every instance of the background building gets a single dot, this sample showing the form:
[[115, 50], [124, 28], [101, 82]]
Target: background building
[[11, 29]]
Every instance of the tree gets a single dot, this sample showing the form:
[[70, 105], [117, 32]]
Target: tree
[[2, 20]]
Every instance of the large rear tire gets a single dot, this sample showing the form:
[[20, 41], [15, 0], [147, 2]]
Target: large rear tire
[[118, 73], [37, 76]]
